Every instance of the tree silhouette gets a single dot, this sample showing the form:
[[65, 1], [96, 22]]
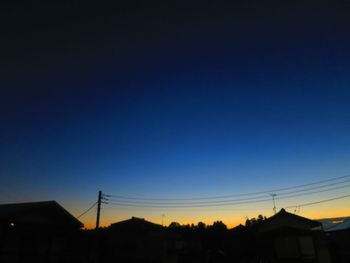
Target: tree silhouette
[[254, 221], [201, 226], [174, 225], [219, 226]]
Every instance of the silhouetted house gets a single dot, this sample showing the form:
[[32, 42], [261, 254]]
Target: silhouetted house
[[339, 237], [35, 232], [287, 237], [134, 240]]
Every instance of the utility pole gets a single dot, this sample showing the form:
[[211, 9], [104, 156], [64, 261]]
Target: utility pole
[[99, 201]]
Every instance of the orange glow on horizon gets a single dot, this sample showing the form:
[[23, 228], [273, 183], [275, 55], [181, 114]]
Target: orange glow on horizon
[[231, 217], [230, 223], [207, 218]]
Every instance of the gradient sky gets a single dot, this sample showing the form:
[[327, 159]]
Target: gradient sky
[[173, 101]]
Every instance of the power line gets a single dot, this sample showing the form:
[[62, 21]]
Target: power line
[[287, 194], [233, 195], [218, 203], [206, 209], [87, 210], [316, 187], [185, 206], [318, 202], [280, 196]]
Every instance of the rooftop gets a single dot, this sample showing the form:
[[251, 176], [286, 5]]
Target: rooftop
[[44, 213]]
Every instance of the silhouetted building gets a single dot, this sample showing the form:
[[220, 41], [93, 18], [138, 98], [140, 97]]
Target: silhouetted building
[[35, 232], [286, 237], [134, 240]]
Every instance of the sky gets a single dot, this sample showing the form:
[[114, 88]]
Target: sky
[[171, 100]]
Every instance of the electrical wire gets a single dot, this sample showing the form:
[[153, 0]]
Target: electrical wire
[[229, 204], [318, 202], [328, 185], [185, 206], [257, 198], [217, 205], [191, 205], [232, 195], [87, 210]]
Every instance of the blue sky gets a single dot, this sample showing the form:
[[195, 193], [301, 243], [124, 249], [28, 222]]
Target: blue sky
[[174, 106]]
